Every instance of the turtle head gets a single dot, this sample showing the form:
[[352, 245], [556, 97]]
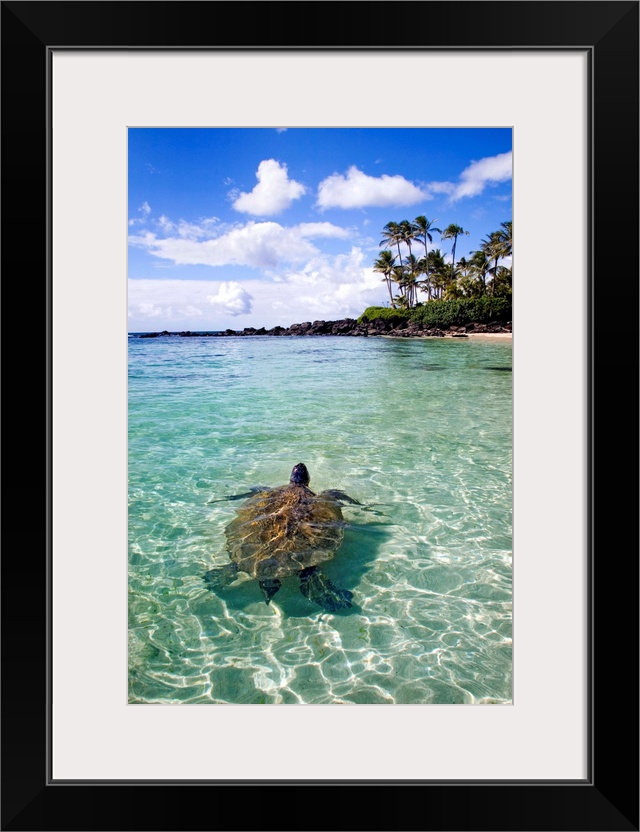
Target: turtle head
[[300, 475]]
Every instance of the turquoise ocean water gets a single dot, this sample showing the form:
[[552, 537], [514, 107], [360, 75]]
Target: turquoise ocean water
[[418, 430]]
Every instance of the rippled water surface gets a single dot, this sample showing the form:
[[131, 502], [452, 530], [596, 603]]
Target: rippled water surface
[[417, 430]]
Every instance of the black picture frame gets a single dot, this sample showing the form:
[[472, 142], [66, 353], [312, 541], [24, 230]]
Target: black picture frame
[[608, 798]]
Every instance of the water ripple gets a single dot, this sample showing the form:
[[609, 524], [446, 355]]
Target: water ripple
[[427, 556]]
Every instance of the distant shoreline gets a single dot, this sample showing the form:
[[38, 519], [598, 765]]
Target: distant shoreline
[[349, 327]]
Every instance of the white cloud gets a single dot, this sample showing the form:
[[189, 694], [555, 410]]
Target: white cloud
[[478, 174], [357, 190], [331, 288], [273, 193], [187, 230], [441, 187], [176, 305], [144, 210], [320, 229], [232, 299], [326, 287], [281, 129], [339, 269], [474, 178], [148, 309], [259, 245]]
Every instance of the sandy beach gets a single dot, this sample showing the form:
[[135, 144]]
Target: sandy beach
[[491, 336]]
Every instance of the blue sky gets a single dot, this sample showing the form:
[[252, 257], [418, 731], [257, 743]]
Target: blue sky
[[263, 227]]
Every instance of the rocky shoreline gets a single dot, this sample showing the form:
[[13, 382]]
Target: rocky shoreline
[[350, 327]]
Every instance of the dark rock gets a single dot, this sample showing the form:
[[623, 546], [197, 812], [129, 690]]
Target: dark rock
[[346, 326], [320, 328], [350, 327], [495, 326]]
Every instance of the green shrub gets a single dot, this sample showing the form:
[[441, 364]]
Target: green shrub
[[441, 314], [373, 313]]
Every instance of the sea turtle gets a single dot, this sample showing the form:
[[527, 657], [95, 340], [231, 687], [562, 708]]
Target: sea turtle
[[285, 531]]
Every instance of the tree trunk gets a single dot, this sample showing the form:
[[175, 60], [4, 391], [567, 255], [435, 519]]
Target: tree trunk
[[389, 288], [426, 266]]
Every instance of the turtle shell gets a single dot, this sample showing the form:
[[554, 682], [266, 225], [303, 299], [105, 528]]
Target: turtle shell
[[284, 530]]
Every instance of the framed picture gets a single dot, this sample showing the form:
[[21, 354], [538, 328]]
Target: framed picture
[[564, 78]]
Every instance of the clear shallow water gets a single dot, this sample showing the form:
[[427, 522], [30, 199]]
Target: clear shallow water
[[418, 430]]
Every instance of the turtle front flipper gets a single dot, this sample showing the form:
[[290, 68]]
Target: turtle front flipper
[[269, 587], [221, 576], [315, 586], [256, 490], [340, 496], [337, 496]]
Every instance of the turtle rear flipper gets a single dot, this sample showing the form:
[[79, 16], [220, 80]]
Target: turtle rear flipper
[[318, 588], [269, 587], [221, 576]]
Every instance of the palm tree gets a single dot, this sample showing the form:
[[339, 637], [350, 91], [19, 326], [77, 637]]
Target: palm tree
[[384, 265], [501, 284], [464, 267], [438, 274], [506, 237], [495, 247], [424, 228], [407, 233], [455, 288], [392, 235], [423, 285], [442, 280], [434, 270], [412, 267], [480, 266], [453, 232], [399, 275]]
